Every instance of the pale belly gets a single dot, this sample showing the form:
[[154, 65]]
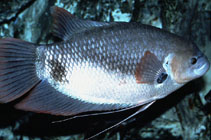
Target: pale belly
[[97, 85]]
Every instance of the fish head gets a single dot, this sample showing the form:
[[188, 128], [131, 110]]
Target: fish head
[[188, 64]]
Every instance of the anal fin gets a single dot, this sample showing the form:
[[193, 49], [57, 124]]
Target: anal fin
[[46, 99]]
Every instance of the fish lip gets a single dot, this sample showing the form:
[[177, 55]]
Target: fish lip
[[203, 66]]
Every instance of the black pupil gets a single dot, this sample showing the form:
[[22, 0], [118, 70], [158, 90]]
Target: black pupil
[[193, 61], [162, 77]]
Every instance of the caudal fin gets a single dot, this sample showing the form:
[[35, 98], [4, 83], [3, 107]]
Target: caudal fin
[[17, 68]]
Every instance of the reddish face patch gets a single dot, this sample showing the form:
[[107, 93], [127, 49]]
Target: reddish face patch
[[175, 67], [179, 69]]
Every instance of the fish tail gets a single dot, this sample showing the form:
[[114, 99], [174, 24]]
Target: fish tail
[[17, 68]]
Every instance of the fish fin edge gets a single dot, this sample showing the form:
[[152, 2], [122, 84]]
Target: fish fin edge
[[17, 68], [65, 24], [141, 109], [148, 69], [46, 99]]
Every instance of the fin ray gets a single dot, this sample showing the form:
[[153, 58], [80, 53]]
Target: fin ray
[[10, 70], [17, 67], [141, 109], [12, 76], [46, 99], [65, 24], [148, 69], [15, 90]]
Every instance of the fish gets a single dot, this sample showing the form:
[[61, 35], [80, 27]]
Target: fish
[[98, 66]]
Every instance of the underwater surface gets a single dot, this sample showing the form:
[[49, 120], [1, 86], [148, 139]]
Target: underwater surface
[[184, 114]]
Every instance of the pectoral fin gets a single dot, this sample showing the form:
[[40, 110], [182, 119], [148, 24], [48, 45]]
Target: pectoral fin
[[148, 69]]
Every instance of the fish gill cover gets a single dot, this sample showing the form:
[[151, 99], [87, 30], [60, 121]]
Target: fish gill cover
[[180, 116]]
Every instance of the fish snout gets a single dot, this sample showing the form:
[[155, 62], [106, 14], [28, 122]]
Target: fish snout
[[201, 66]]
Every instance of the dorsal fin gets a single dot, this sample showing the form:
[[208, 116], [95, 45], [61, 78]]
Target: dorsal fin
[[65, 24]]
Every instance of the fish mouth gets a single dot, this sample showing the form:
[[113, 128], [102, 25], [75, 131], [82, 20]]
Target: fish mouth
[[203, 66]]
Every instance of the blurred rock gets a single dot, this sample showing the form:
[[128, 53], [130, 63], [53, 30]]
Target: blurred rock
[[12, 8]]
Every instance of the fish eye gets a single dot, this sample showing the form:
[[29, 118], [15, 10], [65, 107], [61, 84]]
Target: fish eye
[[193, 60], [162, 77]]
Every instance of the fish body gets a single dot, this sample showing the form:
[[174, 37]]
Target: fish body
[[100, 65], [97, 67]]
